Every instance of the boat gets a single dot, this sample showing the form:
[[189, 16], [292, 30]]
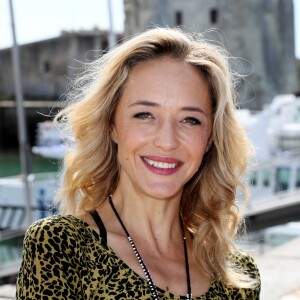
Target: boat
[[42, 186], [49, 142], [275, 134]]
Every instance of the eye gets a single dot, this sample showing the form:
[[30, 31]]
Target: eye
[[142, 115], [192, 121]]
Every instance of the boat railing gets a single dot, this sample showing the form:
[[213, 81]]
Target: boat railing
[[43, 187]]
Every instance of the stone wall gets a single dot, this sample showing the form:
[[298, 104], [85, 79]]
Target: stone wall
[[46, 69], [47, 66], [259, 34]]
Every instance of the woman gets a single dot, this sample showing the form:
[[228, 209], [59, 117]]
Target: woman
[[148, 199]]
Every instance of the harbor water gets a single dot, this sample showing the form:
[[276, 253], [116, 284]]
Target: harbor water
[[10, 164]]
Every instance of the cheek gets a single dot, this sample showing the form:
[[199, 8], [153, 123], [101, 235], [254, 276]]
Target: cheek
[[197, 140], [197, 147], [130, 140], [136, 132]]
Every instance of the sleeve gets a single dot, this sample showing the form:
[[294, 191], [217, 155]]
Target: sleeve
[[50, 264]]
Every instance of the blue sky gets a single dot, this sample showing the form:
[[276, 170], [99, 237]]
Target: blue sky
[[41, 19]]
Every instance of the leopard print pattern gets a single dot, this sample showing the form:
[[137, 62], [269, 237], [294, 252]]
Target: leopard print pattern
[[64, 259]]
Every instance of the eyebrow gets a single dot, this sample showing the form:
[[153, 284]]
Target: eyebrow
[[144, 102], [154, 104], [193, 108]]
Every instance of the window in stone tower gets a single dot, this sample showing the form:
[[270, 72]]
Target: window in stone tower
[[178, 18], [213, 16], [46, 66]]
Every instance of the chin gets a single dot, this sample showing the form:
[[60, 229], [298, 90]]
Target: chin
[[164, 192]]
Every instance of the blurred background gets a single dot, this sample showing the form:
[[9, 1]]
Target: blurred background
[[43, 45]]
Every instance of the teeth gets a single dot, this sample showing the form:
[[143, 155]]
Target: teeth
[[161, 165]]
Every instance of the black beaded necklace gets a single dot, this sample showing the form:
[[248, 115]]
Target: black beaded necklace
[[142, 264]]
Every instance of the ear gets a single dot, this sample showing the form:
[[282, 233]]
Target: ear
[[113, 134], [209, 144]]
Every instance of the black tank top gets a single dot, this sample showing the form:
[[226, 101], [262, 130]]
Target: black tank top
[[98, 221]]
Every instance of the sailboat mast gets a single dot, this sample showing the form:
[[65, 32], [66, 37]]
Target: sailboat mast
[[22, 128], [112, 34]]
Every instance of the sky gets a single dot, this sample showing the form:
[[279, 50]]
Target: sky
[[42, 19]]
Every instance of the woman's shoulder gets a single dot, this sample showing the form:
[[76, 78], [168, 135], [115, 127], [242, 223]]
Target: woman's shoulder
[[243, 261], [58, 227], [57, 222], [244, 264]]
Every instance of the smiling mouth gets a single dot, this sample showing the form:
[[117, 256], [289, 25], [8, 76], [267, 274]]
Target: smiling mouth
[[161, 165]]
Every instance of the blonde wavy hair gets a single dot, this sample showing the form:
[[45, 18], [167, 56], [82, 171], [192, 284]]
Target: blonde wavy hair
[[91, 167]]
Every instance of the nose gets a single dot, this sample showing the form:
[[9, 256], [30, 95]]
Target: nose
[[167, 136]]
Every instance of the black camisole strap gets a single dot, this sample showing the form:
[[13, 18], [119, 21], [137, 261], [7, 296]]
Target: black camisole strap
[[98, 221]]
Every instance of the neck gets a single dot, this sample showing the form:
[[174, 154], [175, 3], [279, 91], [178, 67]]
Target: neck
[[156, 220]]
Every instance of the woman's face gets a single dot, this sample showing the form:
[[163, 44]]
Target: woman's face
[[162, 126]]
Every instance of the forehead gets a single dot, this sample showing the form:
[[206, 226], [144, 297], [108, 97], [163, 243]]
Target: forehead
[[165, 66], [164, 78]]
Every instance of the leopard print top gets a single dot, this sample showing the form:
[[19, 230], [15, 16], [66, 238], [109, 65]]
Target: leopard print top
[[63, 258]]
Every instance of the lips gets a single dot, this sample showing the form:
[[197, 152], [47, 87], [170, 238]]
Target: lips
[[162, 165]]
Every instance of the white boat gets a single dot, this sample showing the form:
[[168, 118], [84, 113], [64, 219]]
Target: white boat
[[274, 174], [42, 186], [49, 142], [275, 133]]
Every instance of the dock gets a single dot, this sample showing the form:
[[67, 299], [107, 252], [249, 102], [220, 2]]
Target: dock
[[280, 271]]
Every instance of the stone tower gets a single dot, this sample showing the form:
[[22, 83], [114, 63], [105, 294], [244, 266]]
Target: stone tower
[[259, 34]]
